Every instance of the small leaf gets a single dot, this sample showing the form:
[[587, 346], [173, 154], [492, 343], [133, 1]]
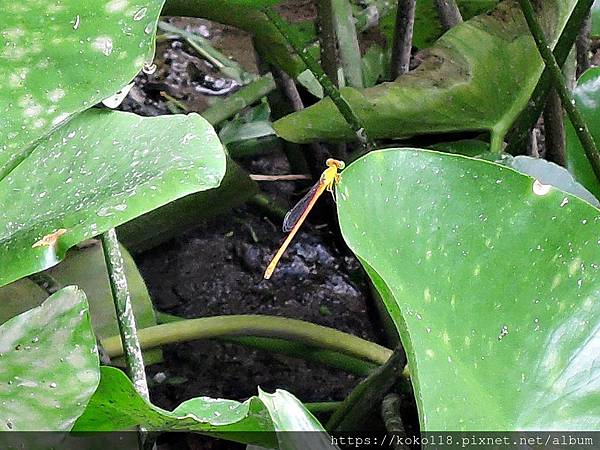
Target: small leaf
[[60, 58], [492, 283], [100, 170], [49, 365]]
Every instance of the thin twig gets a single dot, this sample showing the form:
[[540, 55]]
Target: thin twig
[[583, 47], [554, 127], [449, 13], [257, 177], [125, 318], [584, 135], [403, 35], [328, 87]]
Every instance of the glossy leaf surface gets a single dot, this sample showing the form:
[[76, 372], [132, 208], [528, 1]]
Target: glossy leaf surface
[[49, 364], [59, 58], [491, 278], [100, 170]]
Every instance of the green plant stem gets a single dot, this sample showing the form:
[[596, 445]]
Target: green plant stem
[[328, 87], [322, 407], [258, 326], [244, 97], [349, 50], [269, 206], [449, 13], [368, 395], [403, 35], [294, 349], [520, 132], [328, 41], [128, 338], [584, 135], [554, 127]]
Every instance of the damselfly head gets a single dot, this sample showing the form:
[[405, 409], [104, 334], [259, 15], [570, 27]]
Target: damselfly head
[[335, 162]]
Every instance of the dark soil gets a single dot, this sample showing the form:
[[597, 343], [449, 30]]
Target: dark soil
[[216, 269]]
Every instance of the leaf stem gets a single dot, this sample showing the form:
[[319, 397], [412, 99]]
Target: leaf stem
[[237, 326], [120, 291], [328, 87], [403, 36], [449, 13], [349, 50], [368, 394], [584, 135]]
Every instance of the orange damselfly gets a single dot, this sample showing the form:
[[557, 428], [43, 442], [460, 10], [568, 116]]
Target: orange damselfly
[[296, 216]]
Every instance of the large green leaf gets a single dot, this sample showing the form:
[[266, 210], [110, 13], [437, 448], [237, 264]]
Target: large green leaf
[[85, 267], [491, 279], [49, 365], [587, 98], [59, 58], [100, 170], [478, 76]]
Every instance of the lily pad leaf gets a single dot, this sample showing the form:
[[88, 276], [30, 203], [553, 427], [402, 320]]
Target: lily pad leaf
[[587, 98], [49, 364], [60, 58], [477, 77], [290, 415], [117, 406], [98, 171], [491, 280]]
